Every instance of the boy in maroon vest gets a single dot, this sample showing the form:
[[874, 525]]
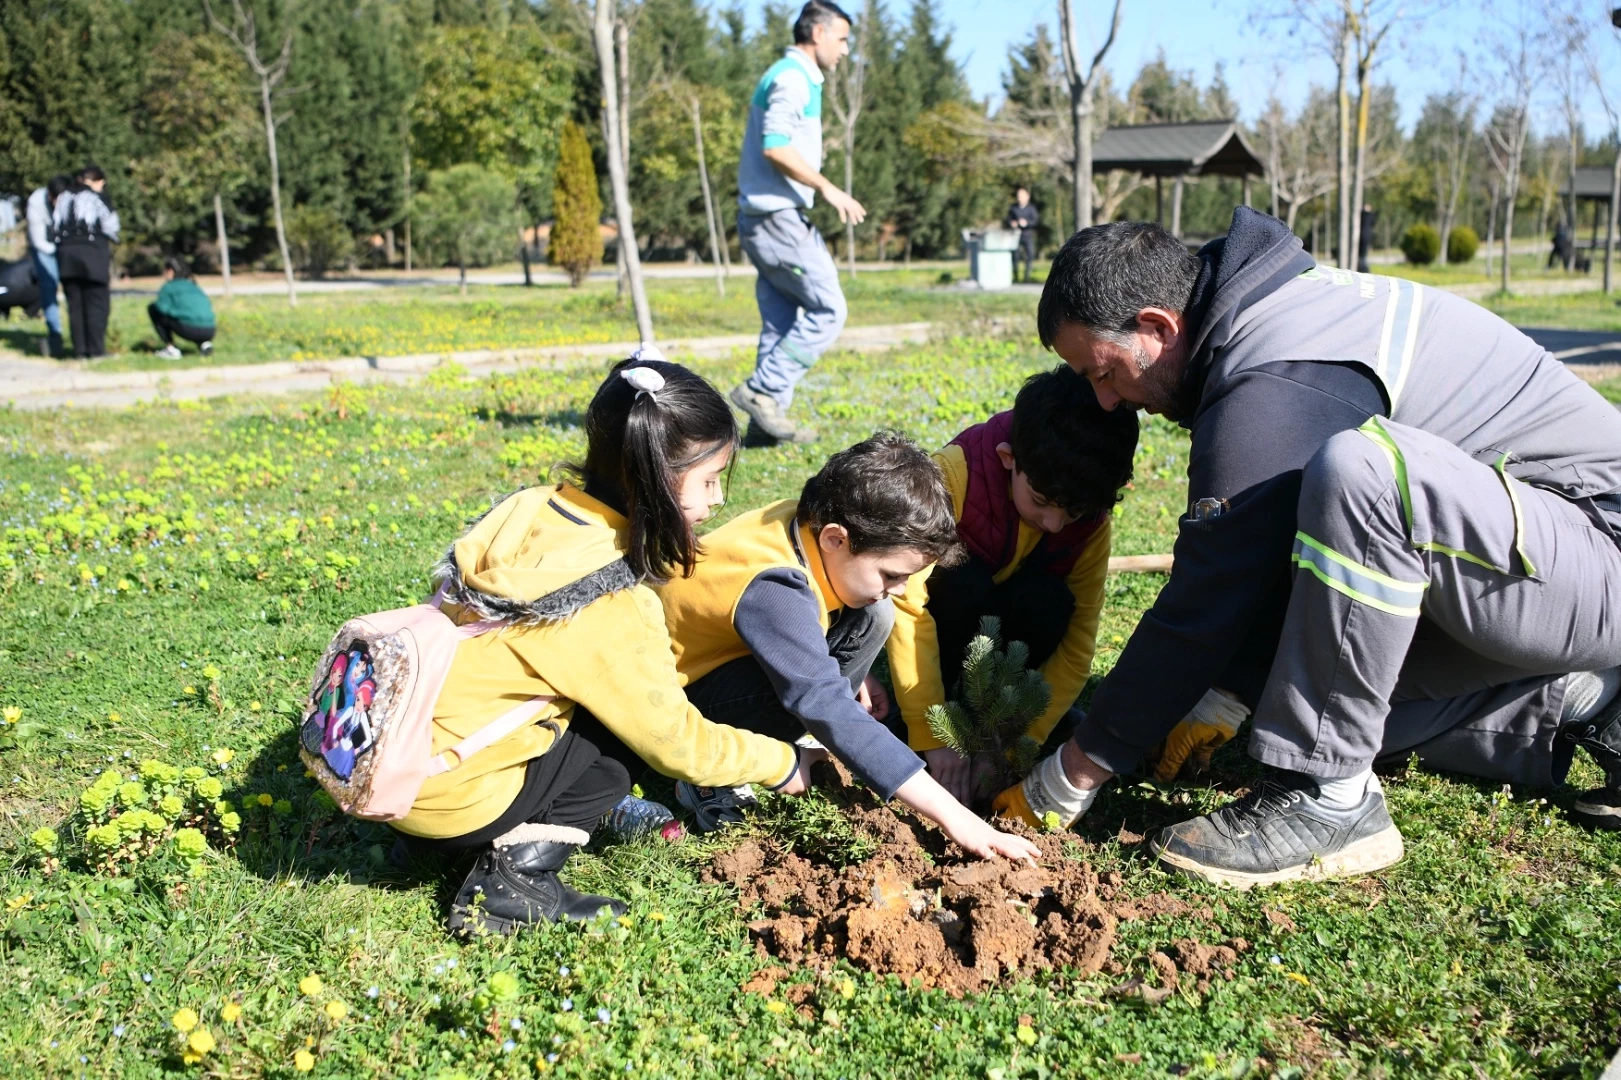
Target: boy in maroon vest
[[1032, 490]]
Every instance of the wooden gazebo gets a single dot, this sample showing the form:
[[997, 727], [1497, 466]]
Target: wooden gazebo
[[1199, 148], [1591, 183]]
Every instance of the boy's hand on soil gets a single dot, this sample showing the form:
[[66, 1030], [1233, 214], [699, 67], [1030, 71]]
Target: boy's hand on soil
[[873, 697], [978, 837], [953, 771]]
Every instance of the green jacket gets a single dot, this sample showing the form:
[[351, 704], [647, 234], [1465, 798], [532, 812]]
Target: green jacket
[[181, 299]]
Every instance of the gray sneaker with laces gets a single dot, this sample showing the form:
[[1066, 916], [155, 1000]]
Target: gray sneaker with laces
[[1282, 831], [768, 416], [713, 808]]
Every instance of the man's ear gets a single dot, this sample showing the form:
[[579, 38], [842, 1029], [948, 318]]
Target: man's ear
[[1005, 453], [833, 537], [1161, 326]]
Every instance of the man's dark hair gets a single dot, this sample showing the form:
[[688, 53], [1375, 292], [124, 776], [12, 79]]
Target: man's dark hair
[[1103, 276], [817, 13], [91, 172], [177, 266], [1071, 450], [56, 185], [1021, 187], [889, 494]]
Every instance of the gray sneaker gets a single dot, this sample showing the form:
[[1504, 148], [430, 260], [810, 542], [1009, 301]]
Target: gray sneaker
[[1282, 831], [769, 417], [713, 808], [1600, 737]]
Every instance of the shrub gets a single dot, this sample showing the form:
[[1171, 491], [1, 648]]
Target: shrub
[[576, 240], [1462, 243], [1421, 244], [318, 240], [165, 820], [467, 214]]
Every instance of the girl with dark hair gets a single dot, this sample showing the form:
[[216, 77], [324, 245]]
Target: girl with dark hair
[[566, 567], [181, 308], [86, 227]]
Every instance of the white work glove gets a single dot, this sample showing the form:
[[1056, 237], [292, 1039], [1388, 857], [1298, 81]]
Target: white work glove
[[1045, 791]]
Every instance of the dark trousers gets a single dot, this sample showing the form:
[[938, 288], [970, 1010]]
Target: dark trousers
[[739, 693], [168, 326], [571, 784], [88, 305], [1026, 251]]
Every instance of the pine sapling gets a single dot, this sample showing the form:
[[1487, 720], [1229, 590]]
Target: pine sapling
[[998, 698]]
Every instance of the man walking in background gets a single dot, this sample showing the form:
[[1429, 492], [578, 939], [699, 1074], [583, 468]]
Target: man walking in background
[[1022, 215], [802, 307], [42, 252]]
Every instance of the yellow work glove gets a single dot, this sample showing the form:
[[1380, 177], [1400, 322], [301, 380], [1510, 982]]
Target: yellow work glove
[[1045, 791], [1212, 722]]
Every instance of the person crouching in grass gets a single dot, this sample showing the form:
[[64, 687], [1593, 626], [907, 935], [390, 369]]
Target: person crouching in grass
[[787, 608], [181, 308], [1031, 493], [567, 569]]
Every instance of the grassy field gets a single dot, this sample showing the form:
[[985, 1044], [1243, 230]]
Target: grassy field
[[169, 574], [430, 319]]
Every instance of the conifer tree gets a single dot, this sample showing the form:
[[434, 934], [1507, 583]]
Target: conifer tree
[[576, 241], [997, 700]]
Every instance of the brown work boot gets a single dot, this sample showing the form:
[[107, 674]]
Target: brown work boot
[[769, 417]]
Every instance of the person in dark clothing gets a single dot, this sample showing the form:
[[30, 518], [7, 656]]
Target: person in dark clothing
[[86, 228], [1420, 554], [1022, 215], [1560, 253], [181, 308]]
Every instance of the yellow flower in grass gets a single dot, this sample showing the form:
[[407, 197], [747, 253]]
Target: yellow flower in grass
[[303, 1061], [12, 714], [777, 1006], [336, 1010], [184, 1020], [264, 798], [310, 985], [230, 1012]]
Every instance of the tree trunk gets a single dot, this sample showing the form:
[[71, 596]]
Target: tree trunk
[[849, 185], [461, 265], [709, 202], [224, 243], [523, 254], [1176, 208], [1360, 168], [618, 167], [1609, 222], [1508, 227], [1081, 181], [1491, 229], [1343, 163], [407, 223], [388, 246], [275, 190]]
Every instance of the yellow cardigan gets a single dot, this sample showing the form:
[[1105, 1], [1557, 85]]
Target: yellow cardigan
[[914, 648], [613, 657]]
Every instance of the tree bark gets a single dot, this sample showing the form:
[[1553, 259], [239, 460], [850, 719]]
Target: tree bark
[[619, 165], [849, 183], [275, 190], [1360, 166], [1344, 144], [1491, 229], [407, 223], [709, 201], [1082, 96], [224, 243], [1176, 208], [1609, 225]]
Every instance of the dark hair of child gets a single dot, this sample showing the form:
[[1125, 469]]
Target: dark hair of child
[[638, 444], [177, 267], [888, 494], [1071, 450]]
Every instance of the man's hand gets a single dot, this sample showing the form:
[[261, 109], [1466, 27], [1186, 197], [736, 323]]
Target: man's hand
[[873, 697], [849, 210], [1064, 785], [1213, 721], [952, 770]]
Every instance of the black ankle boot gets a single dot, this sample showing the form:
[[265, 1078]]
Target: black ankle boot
[[516, 883], [1600, 737]]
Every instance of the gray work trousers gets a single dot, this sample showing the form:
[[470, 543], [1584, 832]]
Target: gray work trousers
[[802, 307], [1437, 605]]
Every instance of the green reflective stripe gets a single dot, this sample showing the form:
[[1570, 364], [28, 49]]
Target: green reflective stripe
[[1360, 583], [1374, 429], [1519, 515], [1442, 549]]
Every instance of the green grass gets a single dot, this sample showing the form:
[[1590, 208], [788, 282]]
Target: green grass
[[1573, 311], [401, 321], [143, 548]]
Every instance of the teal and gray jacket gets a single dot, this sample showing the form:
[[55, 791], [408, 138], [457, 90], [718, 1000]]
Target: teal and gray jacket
[[1286, 355], [183, 301], [786, 110]]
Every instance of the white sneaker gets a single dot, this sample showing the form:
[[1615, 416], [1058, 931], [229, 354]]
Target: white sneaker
[[207, 348], [168, 352]]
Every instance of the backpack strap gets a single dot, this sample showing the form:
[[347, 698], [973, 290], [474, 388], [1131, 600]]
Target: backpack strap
[[491, 733]]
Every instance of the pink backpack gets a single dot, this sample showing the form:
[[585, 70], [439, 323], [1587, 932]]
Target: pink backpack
[[367, 733]]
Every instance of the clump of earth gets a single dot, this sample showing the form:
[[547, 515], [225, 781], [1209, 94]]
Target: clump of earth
[[921, 909]]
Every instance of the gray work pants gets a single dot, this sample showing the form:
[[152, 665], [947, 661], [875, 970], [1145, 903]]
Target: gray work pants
[[802, 307], [1437, 603]]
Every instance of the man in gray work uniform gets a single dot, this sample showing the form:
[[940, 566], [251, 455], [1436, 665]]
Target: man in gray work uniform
[[1401, 539], [802, 308]]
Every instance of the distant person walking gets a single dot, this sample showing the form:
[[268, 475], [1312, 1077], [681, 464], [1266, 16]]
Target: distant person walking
[[181, 309], [802, 307], [86, 227], [1022, 215], [42, 252]]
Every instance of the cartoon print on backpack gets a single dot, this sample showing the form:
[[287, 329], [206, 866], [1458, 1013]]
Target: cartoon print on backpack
[[339, 728]]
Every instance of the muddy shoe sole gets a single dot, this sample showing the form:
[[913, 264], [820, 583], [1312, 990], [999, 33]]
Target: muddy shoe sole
[[1371, 853], [1598, 809]]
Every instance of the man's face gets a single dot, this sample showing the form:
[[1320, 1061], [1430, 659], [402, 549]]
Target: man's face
[[861, 580], [830, 43], [1144, 373], [1023, 197]]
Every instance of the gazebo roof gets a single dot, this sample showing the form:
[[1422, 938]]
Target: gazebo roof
[[1592, 182], [1200, 148]]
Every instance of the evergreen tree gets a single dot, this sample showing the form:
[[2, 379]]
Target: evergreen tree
[[998, 699], [576, 240]]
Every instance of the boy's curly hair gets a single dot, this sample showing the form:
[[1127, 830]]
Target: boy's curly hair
[[888, 493], [1071, 450]]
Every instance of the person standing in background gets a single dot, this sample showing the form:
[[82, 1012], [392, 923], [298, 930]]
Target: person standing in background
[[42, 252], [1022, 215], [802, 307], [86, 228]]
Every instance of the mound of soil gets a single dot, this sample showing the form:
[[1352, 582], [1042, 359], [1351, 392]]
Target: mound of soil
[[921, 909]]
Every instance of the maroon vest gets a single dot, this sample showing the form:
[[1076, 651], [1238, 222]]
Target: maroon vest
[[989, 526]]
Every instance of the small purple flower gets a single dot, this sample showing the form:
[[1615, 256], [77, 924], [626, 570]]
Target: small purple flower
[[604, 1015], [568, 1004], [517, 1025], [118, 1031], [508, 1047]]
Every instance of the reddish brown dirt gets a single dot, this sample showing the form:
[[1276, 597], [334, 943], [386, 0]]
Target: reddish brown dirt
[[943, 919]]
